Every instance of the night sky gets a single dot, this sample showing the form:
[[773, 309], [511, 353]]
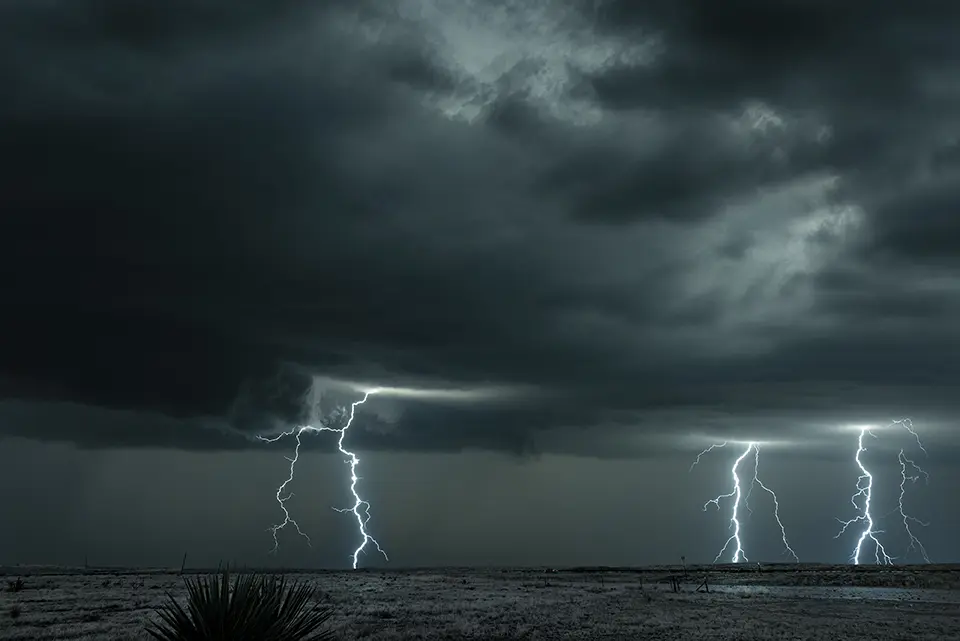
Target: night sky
[[579, 241]]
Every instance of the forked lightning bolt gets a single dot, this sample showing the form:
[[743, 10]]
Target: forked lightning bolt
[[706, 451], [915, 543], [353, 461], [913, 477], [907, 424], [864, 494], [776, 502], [360, 509], [739, 497], [736, 494]]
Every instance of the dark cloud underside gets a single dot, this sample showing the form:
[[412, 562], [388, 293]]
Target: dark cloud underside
[[678, 218]]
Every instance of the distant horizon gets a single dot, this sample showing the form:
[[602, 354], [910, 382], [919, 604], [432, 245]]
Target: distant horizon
[[559, 568]]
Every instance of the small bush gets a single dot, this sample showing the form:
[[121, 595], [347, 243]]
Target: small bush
[[15, 586], [14, 611], [255, 607]]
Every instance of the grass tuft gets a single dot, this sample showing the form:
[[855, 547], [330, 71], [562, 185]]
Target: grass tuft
[[256, 607]]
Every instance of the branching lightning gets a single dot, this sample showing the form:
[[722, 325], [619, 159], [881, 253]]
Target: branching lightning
[[353, 461], [360, 508], [913, 477], [864, 492], [281, 497], [907, 424], [706, 451], [862, 498], [738, 496], [776, 502]]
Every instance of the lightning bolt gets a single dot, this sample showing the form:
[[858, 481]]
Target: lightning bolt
[[907, 424], [359, 503], [281, 498], [736, 494], [739, 497], [776, 502], [915, 543], [705, 452], [746, 497], [360, 508], [909, 471], [864, 491]]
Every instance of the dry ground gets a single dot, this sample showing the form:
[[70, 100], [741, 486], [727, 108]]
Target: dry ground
[[782, 603]]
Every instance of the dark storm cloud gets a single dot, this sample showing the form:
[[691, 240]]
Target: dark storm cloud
[[206, 207], [801, 52], [686, 178], [879, 71], [935, 202]]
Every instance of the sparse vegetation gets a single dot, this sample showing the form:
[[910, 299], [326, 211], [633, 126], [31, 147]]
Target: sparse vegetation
[[786, 602], [14, 611], [256, 607], [15, 586]]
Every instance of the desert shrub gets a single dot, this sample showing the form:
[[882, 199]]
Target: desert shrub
[[256, 607], [15, 586], [14, 611]]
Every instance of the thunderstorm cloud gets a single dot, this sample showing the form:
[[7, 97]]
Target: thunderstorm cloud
[[615, 227]]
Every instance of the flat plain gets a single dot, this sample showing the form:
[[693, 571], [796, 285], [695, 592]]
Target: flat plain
[[744, 603]]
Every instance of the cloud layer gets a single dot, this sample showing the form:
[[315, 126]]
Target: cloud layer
[[644, 223]]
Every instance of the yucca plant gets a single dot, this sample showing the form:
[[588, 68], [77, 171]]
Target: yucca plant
[[256, 607]]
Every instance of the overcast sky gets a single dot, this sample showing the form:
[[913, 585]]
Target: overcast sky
[[576, 241]]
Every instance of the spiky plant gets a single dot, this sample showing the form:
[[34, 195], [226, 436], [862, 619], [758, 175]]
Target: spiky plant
[[256, 607]]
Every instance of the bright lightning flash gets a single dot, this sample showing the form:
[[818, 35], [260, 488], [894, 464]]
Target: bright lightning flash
[[739, 497], [360, 508], [864, 492], [736, 494], [909, 471]]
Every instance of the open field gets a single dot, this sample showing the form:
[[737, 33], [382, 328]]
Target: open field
[[781, 602]]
